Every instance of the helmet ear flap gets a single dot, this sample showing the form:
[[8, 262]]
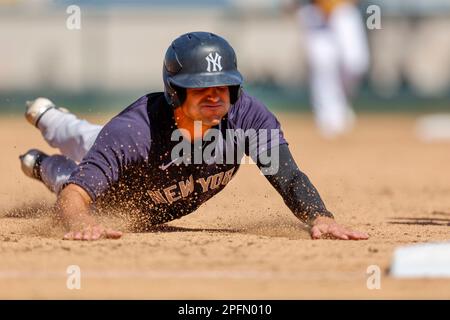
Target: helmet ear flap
[[179, 96], [235, 93], [175, 95]]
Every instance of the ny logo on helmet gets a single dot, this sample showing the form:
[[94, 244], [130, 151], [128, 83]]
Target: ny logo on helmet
[[214, 62]]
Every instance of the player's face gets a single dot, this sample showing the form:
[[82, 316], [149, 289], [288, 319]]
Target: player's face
[[208, 105]]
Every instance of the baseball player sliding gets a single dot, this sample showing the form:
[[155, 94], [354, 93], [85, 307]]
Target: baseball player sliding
[[169, 152]]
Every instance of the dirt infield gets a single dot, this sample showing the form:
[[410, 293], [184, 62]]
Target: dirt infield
[[244, 243]]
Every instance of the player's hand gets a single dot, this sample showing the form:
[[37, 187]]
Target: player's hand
[[328, 228], [93, 233]]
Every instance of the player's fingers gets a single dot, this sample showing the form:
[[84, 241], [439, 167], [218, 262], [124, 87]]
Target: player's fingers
[[339, 235], [97, 234], [68, 236], [87, 235], [113, 234], [335, 232], [346, 234], [315, 233], [356, 235], [329, 232], [78, 235], [363, 235]]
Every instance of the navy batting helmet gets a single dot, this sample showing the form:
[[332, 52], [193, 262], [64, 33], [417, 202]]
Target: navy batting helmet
[[199, 60]]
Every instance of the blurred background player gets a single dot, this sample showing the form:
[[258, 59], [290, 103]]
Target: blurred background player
[[338, 56]]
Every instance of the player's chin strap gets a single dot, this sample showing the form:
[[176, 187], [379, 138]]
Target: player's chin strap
[[297, 191]]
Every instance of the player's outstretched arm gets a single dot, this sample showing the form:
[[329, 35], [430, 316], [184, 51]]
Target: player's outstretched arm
[[73, 207], [303, 199]]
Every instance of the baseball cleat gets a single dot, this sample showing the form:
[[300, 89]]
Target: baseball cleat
[[37, 108], [31, 163]]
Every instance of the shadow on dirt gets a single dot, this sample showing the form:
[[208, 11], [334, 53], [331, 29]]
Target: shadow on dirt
[[170, 228], [441, 213], [266, 230], [272, 229], [291, 231], [424, 221]]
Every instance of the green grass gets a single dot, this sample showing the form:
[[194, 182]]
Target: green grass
[[98, 102]]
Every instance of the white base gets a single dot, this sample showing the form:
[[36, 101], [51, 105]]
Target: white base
[[427, 260], [435, 127]]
